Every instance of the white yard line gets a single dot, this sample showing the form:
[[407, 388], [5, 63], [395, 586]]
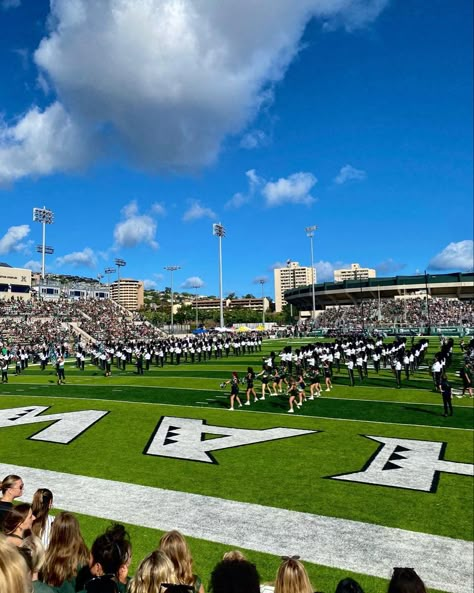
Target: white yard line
[[193, 407], [443, 563]]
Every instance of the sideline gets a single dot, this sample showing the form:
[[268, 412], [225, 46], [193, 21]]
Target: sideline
[[444, 563]]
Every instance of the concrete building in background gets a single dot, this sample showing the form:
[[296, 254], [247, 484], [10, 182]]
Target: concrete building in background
[[129, 293], [355, 272], [15, 283], [291, 276]]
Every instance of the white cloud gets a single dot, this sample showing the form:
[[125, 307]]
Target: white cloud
[[325, 270], [135, 229], [150, 284], [12, 240], [78, 259], [41, 140], [196, 211], [349, 173], [158, 209], [278, 265], [34, 266], [7, 4], [290, 190], [254, 139], [456, 256], [162, 83], [239, 199], [389, 266], [130, 210], [192, 282]]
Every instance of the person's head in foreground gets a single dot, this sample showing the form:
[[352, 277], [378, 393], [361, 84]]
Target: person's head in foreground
[[292, 577], [155, 570], [14, 576], [349, 586], [235, 576], [405, 580]]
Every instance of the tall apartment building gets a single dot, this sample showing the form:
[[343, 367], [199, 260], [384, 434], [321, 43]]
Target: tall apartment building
[[354, 273], [129, 294], [291, 276]]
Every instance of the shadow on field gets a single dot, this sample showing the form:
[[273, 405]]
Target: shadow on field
[[423, 410]]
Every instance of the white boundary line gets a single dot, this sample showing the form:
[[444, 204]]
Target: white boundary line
[[444, 563], [279, 414]]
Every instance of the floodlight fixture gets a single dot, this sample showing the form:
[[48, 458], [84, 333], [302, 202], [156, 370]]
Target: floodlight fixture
[[47, 249], [219, 231], [172, 269], [310, 233], [262, 281], [44, 216], [120, 263]]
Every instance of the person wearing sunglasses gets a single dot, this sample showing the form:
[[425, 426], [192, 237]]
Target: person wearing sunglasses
[[12, 487]]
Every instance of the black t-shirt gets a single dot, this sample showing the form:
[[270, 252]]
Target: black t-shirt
[[4, 508]]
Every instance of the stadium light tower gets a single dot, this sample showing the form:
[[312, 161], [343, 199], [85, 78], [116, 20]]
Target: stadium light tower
[[310, 233], [120, 263], [219, 231], [262, 281], [44, 216], [172, 269]]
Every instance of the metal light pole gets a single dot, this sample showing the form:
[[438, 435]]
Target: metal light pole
[[310, 233], [44, 216], [120, 263], [196, 286], [172, 269], [262, 282], [99, 278], [109, 271], [219, 231]]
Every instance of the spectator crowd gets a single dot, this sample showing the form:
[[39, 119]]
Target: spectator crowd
[[44, 554]]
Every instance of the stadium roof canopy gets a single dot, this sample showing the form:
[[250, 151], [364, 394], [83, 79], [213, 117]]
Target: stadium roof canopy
[[349, 292]]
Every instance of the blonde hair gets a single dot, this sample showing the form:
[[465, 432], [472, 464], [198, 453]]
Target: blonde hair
[[66, 551], [175, 546], [232, 555], [37, 551], [154, 570], [14, 576], [292, 578], [8, 482]]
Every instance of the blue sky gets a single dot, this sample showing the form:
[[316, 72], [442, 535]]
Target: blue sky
[[140, 123]]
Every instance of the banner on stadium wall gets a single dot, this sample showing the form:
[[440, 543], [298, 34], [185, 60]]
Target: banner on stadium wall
[[448, 331]]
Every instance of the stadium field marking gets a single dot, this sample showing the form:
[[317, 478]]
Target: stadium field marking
[[445, 563], [330, 397], [279, 414]]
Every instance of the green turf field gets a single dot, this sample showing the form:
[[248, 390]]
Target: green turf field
[[298, 473]]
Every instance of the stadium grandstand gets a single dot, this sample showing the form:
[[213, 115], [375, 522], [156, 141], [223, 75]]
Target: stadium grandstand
[[422, 303]]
